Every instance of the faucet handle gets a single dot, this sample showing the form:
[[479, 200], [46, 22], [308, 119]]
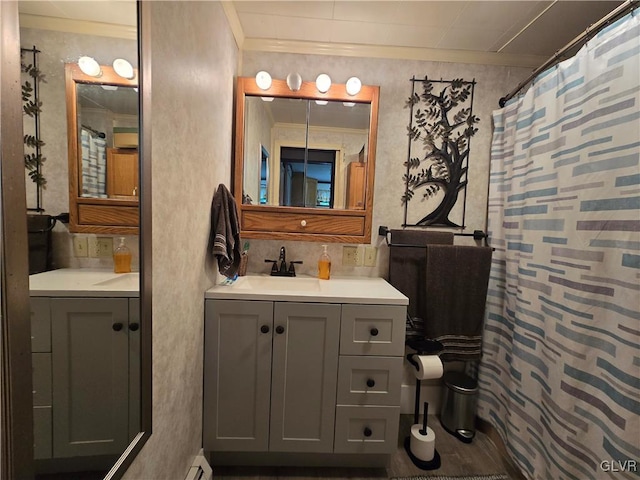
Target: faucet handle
[[292, 268], [274, 267]]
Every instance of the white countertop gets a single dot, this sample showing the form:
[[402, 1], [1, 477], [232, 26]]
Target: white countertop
[[84, 282], [309, 289]]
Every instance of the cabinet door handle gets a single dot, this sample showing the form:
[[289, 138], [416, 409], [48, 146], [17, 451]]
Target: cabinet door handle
[[367, 432], [371, 383], [117, 326], [134, 327], [279, 329], [264, 328], [374, 332]]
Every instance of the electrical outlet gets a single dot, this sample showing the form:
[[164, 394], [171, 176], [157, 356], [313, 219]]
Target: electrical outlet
[[349, 255], [80, 246], [105, 246], [370, 256]]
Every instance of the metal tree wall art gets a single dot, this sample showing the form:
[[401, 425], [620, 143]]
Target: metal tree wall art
[[442, 124]]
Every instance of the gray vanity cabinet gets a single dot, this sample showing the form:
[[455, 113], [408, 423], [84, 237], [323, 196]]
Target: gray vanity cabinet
[[270, 376], [81, 375], [237, 375], [303, 384]]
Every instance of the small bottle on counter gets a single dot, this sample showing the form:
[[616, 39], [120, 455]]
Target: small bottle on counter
[[122, 257], [324, 264]]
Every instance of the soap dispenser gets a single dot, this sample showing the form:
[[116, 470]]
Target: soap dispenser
[[324, 264], [122, 258]]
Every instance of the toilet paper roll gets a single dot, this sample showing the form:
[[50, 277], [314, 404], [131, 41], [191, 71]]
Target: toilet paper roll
[[429, 366], [422, 446]]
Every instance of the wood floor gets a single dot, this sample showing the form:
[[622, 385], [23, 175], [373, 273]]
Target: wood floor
[[480, 457]]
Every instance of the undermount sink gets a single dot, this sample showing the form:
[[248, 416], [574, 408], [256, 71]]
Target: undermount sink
[[123, 280], [284, 284]]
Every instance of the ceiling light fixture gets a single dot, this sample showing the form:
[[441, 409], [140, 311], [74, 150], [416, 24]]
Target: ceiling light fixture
[[89, 66], [294, 81], [354, 85], [123, 68], [267, 99], [322, 102], [349, 104], [109, 87], [263, 80], [323, 83]]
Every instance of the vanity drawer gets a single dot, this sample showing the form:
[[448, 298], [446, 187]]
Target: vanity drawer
[[366, 429], [42, 433], [41, 366], [369, 380], [40, 324], [108, 215], [302, 223], [373, 330]]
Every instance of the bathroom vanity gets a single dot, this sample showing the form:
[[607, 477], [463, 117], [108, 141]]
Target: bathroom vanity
[[85, 354], [301, 371]]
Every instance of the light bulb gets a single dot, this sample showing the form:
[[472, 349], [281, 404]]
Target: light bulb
[[263, 80], [123, 68], [323, 83], [353, 86], [294, 81], [89, 66]]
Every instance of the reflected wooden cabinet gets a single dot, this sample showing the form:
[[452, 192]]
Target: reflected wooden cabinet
[[103, 179], [122, 173], [356, 175]]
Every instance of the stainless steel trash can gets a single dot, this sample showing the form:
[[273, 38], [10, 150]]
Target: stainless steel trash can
[[459, 398]]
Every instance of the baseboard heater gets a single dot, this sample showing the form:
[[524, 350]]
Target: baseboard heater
[[200, 470]]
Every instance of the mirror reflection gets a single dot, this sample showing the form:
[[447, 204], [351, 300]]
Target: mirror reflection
[[108, 133], [85, 319], [318, 153]]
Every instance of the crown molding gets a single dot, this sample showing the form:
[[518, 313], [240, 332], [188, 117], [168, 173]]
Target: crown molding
[[405, 53], [234, 22], [84, 27]]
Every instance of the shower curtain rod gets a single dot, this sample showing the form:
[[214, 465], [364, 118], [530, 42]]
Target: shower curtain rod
[[593, 29]]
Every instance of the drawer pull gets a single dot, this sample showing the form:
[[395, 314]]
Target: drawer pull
[[264, 328], [279, 329], [374, 332], [367, 432], [303, 223], [371, 383], [117, 326], [134, 327]]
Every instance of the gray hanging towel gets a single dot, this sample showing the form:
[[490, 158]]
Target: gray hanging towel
[[457, 279], [407, 264], [224, 238]]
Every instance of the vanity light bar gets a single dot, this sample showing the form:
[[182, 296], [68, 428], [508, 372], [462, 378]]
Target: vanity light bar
[[294, 82]]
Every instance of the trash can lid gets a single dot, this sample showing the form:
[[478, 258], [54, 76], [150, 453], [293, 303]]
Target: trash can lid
[[460, 382]]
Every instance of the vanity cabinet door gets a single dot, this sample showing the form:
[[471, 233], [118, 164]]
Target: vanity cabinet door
[[237, 375], [90, 345], [305, 364]]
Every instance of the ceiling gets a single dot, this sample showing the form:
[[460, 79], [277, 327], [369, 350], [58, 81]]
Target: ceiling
[[521, 33]]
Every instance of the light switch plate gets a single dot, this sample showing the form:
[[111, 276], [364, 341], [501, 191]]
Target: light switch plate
[[370, 256], [80, 246]]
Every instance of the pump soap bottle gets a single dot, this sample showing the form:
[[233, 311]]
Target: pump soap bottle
[[324, 264], [122, 258]]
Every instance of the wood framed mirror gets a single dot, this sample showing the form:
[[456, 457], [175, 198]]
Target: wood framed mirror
[[102, 134], [305, 161]]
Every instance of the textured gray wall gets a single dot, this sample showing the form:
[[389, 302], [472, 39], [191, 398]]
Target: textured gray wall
[[194, 61], [393, 77]]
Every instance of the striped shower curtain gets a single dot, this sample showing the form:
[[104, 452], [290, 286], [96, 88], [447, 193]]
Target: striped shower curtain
[[559, 378], [94, 164]]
